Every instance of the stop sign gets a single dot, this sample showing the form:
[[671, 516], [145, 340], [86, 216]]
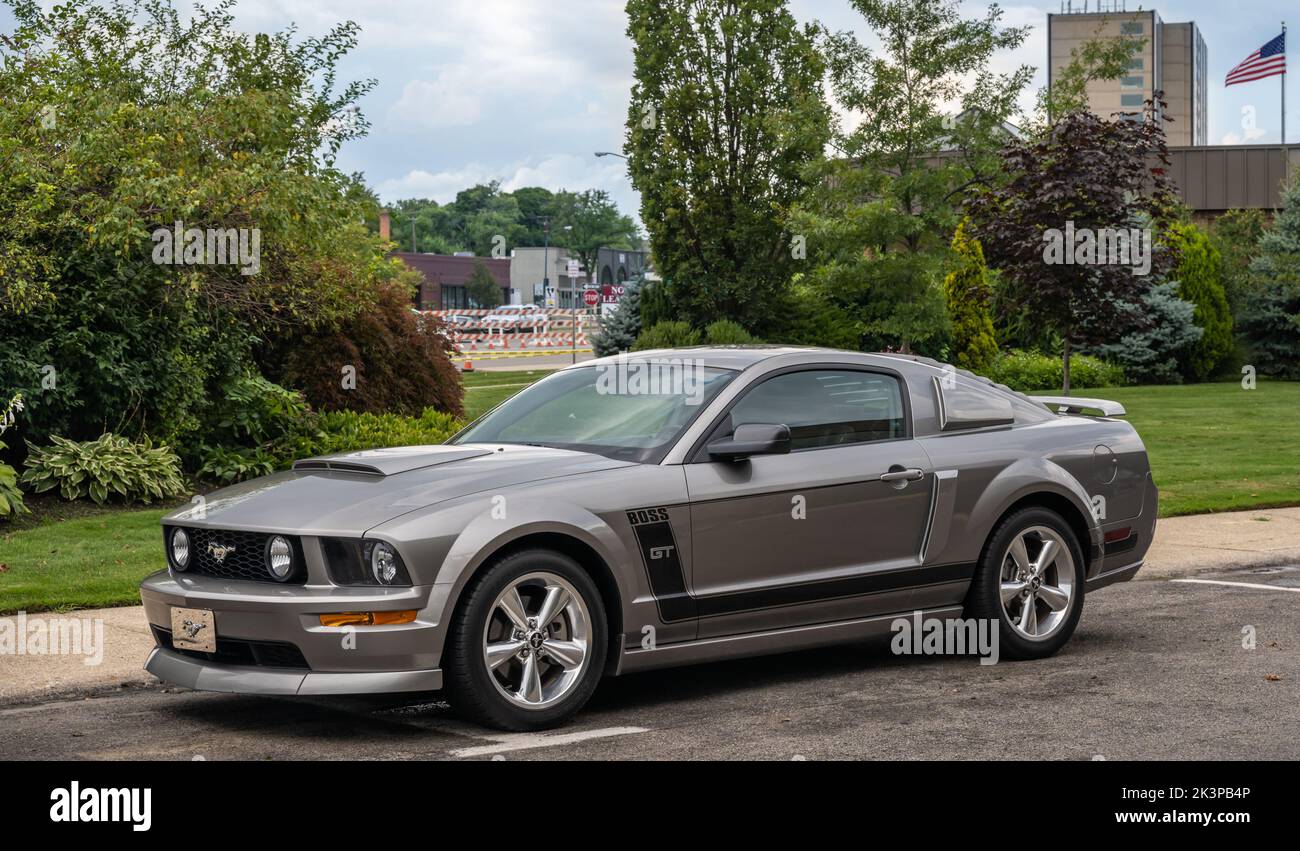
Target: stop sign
[[591, 298]]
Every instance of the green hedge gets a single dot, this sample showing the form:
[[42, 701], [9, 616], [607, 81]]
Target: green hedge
[[350, 431], [1029, 371]]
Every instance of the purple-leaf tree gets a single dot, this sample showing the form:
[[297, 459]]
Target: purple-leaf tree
[[1076, 229]]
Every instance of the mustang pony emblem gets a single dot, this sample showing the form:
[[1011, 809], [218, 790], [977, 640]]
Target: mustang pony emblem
[[192, 628], [219, 551]]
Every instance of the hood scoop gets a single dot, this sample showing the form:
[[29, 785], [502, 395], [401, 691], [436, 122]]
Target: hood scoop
[[387, 462]]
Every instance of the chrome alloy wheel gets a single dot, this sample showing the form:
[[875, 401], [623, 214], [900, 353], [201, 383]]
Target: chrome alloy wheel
[[1037, 582], [536, 640]]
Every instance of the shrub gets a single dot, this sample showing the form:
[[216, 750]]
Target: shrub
[[1031, 371], [1200, 277], [11, 498], [969, 295], [1156, 353], [220, 464], [402, 362], [724, 332], [808, 318], [350, 431], [137, 472], [666, 335]]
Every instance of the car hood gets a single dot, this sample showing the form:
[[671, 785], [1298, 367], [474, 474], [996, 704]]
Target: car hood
[[350, 493]]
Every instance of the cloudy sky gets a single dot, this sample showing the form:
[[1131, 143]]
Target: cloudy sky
[[524, 92]]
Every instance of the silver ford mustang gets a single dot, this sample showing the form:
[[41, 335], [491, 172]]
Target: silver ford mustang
[[651, 510]]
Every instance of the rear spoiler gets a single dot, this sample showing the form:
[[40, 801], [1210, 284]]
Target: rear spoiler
[[1079, 405]]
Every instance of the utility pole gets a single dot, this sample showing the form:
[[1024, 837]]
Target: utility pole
[[546, 257]]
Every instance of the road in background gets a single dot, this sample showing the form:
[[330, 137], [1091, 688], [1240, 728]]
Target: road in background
[[502, 362]]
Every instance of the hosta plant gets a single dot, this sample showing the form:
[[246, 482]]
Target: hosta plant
[[11, 498], [111, 466]]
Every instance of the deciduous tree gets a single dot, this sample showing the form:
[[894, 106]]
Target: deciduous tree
[[1084, 174], [727, 111]]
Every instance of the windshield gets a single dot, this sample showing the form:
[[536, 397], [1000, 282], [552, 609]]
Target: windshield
[[630, 410]]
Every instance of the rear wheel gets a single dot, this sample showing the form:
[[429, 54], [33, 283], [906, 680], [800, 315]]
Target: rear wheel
[[1030, 577], [527, 647]]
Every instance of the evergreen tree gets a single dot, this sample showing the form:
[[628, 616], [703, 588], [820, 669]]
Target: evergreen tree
[[969, 295], [1152, 353], [1200, 280], [1272, 318], [619, 330]]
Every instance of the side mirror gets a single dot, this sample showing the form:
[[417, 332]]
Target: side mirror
[[751, 439]]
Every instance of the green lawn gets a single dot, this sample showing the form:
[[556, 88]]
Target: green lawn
[[84, 563], [1214, 447], [1217, 447], [485, 390]]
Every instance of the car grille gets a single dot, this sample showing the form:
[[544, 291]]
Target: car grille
[[237, 651], [247, 559]]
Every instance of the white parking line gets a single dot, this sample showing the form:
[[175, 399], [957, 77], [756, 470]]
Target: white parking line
[[1237, 584], [506, 742]]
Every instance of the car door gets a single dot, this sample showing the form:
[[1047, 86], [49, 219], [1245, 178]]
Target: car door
[[815, 535]]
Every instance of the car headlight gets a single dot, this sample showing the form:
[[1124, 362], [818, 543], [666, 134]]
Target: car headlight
[[383, 563], [180, 548], [279, 558], [357, 561]]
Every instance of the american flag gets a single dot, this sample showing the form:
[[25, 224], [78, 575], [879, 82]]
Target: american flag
[[1268, 61]]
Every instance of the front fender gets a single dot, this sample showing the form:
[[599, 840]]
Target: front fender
[[518, 517], [452, 541]]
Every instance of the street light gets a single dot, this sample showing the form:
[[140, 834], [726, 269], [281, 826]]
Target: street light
[[610, 154]]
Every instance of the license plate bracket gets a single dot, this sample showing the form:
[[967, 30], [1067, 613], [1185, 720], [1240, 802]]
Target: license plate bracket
[[194, 629]]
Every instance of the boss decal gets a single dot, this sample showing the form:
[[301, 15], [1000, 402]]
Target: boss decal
[[640, 516], [659, 554]]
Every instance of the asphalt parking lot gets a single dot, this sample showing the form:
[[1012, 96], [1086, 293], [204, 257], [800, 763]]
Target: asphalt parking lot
[[1156, 670]]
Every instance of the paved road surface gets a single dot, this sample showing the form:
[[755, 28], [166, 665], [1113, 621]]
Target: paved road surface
[[1156, 669]]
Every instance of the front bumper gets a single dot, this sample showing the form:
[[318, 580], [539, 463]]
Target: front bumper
[[170, 666], [334, 660]]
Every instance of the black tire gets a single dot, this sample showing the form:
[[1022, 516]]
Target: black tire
[[469, 685], [984, 598]]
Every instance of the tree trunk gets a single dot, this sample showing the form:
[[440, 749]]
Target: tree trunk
[[1065, 367]]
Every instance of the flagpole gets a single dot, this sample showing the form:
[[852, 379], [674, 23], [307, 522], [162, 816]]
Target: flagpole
[[1284, 52]]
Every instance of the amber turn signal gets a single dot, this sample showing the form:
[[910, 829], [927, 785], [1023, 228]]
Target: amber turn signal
[[367, 618]]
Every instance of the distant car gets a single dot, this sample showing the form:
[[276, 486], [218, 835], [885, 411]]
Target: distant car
[[523, 318], [462, 322], [593, 525]]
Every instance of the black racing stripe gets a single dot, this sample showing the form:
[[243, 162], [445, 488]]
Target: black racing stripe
[[831, 589], [663, 566]]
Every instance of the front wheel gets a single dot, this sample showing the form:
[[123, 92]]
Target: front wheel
[[1030, 577], [527, 647]]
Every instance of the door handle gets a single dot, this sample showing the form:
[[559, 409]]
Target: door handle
[[910, 475]]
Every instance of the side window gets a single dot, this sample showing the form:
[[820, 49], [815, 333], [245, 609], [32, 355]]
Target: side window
[[827, 407]]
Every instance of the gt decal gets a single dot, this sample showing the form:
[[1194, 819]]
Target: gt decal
[[658, 546]]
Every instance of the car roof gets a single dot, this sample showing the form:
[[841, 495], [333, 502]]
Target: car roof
[[728, 357], [743, 357]]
